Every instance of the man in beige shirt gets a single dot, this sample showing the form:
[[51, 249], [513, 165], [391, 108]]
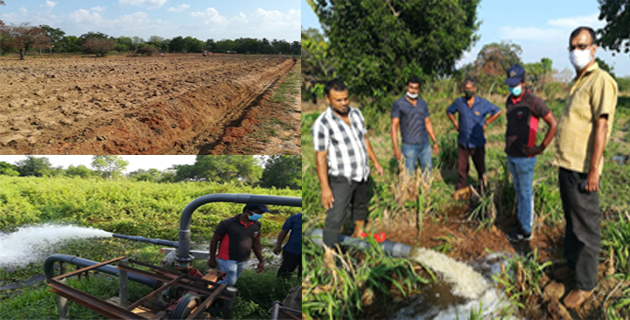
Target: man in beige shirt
[[584, 129]]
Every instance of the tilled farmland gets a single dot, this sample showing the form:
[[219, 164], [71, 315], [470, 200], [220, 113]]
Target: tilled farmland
[[132, 105]]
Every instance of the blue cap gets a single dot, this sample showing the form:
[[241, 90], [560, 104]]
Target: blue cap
[[252, 206], [515, 75]]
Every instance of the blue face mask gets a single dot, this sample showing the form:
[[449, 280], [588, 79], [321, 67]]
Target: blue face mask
[[255, 217], [516, 91]]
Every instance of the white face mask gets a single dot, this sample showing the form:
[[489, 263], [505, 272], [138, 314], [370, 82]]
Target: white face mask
[[412, 96], [580, 58]]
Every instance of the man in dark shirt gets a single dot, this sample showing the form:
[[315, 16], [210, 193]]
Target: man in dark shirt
[[292, 253], [524, 110], [471, 126], [411, 114]]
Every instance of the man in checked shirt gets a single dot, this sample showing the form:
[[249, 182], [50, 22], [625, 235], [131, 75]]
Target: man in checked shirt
[[342, 148]]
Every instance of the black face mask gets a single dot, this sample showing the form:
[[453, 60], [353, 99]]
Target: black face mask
[[468, 94]]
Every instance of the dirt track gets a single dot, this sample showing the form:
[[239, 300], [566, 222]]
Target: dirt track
[[147, 105]]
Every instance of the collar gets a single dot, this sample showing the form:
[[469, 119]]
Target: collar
[[238, 218], [588, 70], [515, 101], [335, 116]]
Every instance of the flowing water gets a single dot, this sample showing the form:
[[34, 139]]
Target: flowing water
[[30, 244], [459, 291]]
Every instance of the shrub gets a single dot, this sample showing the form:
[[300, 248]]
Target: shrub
[[147, 50], [99, 47]]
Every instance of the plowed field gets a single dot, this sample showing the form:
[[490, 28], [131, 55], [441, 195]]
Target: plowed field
[[143, 105]]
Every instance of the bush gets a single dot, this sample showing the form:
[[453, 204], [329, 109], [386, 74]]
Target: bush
[[99, 47], [147, 50]]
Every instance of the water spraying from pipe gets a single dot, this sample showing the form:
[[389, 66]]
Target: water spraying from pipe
[[27, 244]]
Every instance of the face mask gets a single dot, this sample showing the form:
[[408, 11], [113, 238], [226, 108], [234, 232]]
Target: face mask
[[468, 94], [255, 216], [412, 96], [516, 91], [580, 58]]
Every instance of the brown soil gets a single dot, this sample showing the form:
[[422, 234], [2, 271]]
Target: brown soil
[[470, 244], [177, 104]]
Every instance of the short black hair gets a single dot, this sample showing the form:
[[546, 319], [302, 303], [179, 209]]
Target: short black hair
[[334, 84], [578, 30], [467, 81], [413, 79]]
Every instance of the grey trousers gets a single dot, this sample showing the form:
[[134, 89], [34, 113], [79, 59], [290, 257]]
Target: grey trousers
[[345, 192], [582, 238]]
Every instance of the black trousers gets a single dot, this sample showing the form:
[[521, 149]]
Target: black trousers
[[290, 261], [478, 156], [582, 238], [345, 192]]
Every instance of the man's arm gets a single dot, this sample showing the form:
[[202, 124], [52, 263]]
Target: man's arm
[[429, 126], [322, 173], [551, 121], [394, 132], [592, 180], [492, 119], [379, 169], [259, 256], [281, 236], [452, 118], [212, 262]]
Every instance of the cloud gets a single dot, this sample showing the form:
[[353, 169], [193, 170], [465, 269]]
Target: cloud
[[149, 4], [210, 16], [98, 9], [83, 16], [179, 8], [574, 22], [48, 6], [531, 33]]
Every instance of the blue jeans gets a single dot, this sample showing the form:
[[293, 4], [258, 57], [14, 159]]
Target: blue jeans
[[522, 170], [414, 153], [232, 269]]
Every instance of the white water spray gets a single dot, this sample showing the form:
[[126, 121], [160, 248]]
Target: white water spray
[[466, 283], [24, 246]]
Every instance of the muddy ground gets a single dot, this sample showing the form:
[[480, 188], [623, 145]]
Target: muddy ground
[[176, 104], [469, 244]]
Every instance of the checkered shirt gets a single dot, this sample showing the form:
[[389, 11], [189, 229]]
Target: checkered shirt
[[347, 151]]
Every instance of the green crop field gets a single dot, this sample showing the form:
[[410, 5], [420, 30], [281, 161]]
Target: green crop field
[[463, 229], [144, 209]]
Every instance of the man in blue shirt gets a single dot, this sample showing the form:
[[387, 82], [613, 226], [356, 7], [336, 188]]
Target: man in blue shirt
[[292, 253], [471, 126], [411, 114]]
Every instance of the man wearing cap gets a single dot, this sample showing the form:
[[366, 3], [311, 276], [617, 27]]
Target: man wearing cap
[[524, 110], [292, 252], [343, 151], [583, 131], [411, 114], [471, 126]]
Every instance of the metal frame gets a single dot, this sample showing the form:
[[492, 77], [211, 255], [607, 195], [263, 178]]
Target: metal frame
[[278, 307], [166, 276]]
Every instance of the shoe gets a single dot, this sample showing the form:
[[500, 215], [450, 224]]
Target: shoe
[[563, 273], [517, 236], [576, 298]]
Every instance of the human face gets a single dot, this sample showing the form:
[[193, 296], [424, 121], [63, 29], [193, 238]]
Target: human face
[[413, 88], [339, 101], [470, 87], [583, 41]]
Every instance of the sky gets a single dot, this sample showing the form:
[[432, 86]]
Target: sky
[[277, 19], [135, 162], [540, 27]]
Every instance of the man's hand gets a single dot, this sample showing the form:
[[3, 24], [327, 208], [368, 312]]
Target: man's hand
[[485, 125], [327, 198], [212, 262], [379, 169], [397, 154], [532, 151], [436, 148], [592, 182], [277, 249], [260, 267]]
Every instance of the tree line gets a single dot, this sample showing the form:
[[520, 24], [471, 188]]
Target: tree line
[[274, 171], [24, 37]]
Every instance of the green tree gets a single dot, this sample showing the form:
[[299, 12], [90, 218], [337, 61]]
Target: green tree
[[32, 166], [282, 172], [604, 66], [539, 74], [8, 169], [80, 171], [110, 166], [151, 175], [123, 44], [378, 44], [55, 35], [220, 169], [178, 45], [317, 67], [72, 43], [615, 35]]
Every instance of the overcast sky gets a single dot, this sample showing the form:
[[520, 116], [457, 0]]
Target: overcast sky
[[540, 27], [135, 162], [277, 19]]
